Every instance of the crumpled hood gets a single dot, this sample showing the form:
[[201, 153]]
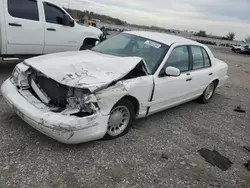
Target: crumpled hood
[[84, 69]]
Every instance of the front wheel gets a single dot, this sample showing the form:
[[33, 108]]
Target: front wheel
[[120, 119], [208, 93], [86, 47]]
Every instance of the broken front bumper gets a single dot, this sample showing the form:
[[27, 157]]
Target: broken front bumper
[[65, 129]]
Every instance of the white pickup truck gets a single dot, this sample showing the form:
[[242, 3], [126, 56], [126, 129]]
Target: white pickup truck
[[34, 27]]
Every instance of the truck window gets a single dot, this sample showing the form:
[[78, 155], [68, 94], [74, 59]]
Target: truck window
[[25, 9], [53, 14]]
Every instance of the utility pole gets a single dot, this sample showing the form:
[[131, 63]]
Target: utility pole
[[69, 4], [70, 12]]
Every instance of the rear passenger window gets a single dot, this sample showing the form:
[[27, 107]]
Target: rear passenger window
[[25, 9], [197, 57], [207, 62], [53, 14], [179, 58]]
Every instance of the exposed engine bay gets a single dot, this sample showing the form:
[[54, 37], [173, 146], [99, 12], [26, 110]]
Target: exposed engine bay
[[61, 98]]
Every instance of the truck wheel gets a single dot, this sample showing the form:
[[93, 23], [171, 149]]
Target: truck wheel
[[88, 43], [120, 119], [86, 46]]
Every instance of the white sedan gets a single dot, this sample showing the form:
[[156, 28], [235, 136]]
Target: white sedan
[[76, 97]]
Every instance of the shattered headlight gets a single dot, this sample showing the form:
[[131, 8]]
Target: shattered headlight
[[19, 76], [80, 100], [14, 76]]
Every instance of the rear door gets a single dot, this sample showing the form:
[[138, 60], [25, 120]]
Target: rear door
[[58, 37], [201, 71], [24, 30]]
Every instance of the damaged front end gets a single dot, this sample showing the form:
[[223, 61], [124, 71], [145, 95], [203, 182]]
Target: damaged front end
[[62, 110], [69, 115], [57, 97]]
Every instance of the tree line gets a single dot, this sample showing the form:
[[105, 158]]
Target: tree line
[[230, 36], [75, 13]]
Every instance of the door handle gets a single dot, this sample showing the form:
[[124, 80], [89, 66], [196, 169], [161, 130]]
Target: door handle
[[188, 74], [189, 79], [15, 24], [51, 29], [210, 74]]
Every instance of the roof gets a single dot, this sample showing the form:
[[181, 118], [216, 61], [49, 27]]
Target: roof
[[161, 37]]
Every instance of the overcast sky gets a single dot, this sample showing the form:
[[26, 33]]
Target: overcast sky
[[215, 16]]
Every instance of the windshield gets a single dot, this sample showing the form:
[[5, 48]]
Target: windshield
[[130, 45]]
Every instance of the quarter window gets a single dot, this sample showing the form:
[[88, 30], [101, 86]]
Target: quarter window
[[179, 58], [25, 9], [207, 62], [53, 14], [198, 61]]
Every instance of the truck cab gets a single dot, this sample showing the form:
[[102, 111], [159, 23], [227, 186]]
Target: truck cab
[[34, 27]]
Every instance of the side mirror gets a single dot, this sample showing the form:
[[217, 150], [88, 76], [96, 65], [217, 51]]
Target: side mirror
[[72, 23], [172, 71], [67, 21]]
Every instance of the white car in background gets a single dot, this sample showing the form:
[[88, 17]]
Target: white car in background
[[240, 48], [82, 96]]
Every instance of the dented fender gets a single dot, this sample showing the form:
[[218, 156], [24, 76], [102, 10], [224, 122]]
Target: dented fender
[[108, 97], [140, 88]]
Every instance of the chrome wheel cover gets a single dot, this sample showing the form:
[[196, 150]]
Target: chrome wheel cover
[[209, 91], [118, 120]]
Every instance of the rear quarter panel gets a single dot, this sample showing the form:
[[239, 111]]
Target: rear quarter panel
[[219, 68], [220, 71]]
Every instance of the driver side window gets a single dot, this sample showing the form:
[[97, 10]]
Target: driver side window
[[53, 14], [179, 58]]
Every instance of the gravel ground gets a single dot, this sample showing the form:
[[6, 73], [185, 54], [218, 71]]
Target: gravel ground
[[30, 159]]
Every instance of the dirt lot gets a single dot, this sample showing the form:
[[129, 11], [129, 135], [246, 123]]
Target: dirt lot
[[30, 159]]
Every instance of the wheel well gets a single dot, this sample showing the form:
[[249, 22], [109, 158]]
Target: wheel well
[[216, 82], [134, 101], [89, 41]]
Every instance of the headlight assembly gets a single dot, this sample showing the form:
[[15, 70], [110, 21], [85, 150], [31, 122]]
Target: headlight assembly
[[14, 76], [19, 76], [82, 100]]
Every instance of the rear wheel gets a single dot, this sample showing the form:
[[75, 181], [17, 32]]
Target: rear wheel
[[120, 119], [208, 93]]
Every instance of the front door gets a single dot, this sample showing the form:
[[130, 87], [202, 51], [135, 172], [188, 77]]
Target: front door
[[24, 28], [170, 91], [58, 37]]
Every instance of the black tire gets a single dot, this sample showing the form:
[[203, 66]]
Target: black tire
[[203, 99], [131, 109], [86, 47]]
